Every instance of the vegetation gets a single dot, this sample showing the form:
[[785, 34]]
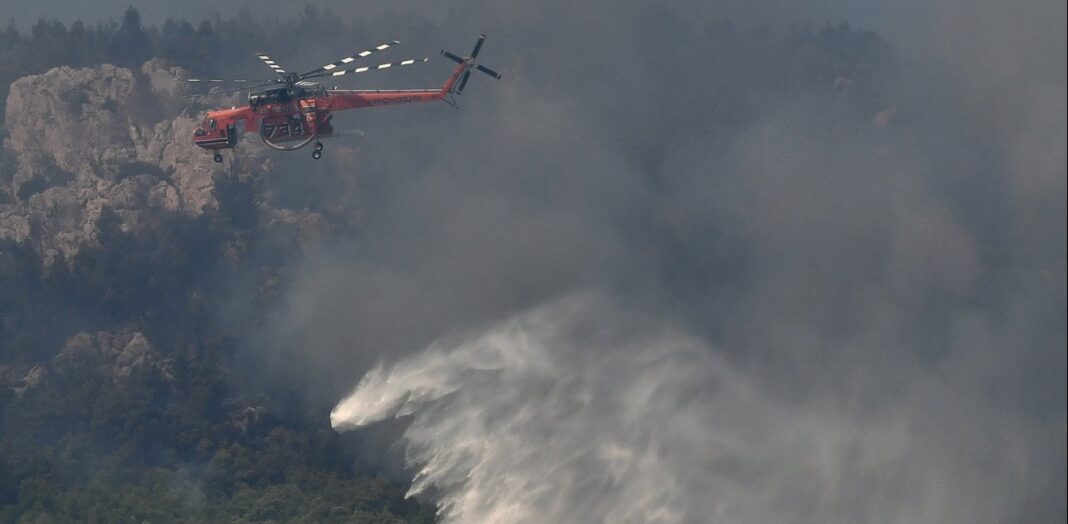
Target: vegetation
[[180, 437]]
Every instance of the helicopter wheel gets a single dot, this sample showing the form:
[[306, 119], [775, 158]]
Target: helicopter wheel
[[318, 146], [217, 158], [317, 154]]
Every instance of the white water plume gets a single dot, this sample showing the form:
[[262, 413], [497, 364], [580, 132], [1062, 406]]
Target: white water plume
[[578, 413]]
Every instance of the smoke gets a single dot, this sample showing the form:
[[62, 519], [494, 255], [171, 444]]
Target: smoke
[[828, 264], [836, 263]]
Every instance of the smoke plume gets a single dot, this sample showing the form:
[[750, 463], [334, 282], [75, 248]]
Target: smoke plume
[[835, 261]]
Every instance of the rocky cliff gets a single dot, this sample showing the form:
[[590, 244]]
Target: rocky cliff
[[82, 140]]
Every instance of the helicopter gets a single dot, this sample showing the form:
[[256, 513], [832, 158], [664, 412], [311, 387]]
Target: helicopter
[[290, 112]]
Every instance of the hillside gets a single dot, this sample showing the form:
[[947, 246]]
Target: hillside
[[119, 244]]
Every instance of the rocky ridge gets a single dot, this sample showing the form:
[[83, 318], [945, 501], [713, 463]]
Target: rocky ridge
[[82, 140]]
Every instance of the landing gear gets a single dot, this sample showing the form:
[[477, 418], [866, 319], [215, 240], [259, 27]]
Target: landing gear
[[318, 153], [217, 158]]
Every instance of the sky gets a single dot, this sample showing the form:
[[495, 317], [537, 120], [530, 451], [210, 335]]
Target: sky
[[656, 275]]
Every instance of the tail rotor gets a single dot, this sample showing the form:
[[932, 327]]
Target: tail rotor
[[470, 63]]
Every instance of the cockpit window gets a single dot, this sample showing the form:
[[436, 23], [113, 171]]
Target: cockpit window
[[212, 124], [200, 132]]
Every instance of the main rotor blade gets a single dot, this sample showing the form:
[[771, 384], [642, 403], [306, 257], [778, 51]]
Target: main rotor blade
[[271, 63], [218, 81], [478, 46], [365, 69], [351, 58], [488, 71], [454, 58], [463, 82]]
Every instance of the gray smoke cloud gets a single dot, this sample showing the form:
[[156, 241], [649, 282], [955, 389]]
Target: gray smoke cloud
[[831, 289]]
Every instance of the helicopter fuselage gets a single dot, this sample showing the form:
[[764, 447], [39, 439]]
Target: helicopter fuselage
[[291, 117]]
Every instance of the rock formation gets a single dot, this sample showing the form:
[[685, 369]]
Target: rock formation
[[82, 140], [111, 355]]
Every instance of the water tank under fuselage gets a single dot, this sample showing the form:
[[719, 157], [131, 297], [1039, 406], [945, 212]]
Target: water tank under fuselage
[[289, 126]]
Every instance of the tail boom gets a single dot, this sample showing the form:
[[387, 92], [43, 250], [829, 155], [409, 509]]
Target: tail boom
[[338, 100]]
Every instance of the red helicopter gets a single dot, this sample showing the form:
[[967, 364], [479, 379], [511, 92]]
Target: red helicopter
[[290, 112]]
